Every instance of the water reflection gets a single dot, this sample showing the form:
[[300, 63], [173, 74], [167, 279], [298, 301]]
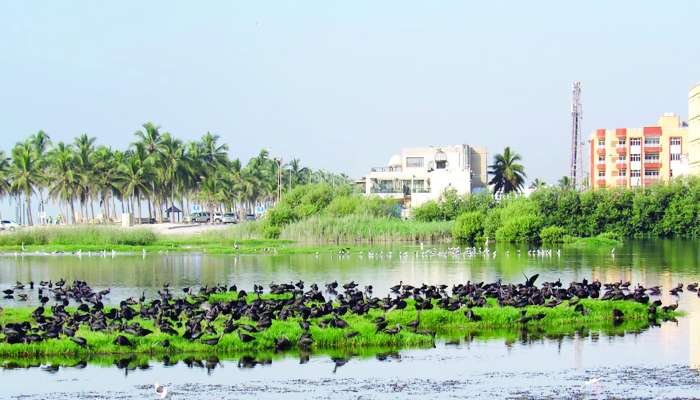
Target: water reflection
[[662, 262]]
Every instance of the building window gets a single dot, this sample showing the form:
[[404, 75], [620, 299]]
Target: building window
[[601, 159], [635, 141], [635, 157], [621, 142], [414, 162], [622, 158], [635, 173], [675, 141], [623, 173], [601, 142], [653, 157], [601, 174], [652, 173], [441, 164], [652, 141], [675, 156]]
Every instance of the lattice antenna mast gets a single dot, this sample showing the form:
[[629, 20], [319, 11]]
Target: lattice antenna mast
[[576, 144]]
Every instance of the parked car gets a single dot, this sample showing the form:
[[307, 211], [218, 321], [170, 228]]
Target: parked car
[[250, 217], [146, 220], [225, 218], [201, 217], [6, 225]]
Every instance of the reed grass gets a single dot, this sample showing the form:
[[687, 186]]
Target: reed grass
[[71, 235], [501, 321], [366, 229]]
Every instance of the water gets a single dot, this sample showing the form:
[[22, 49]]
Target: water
[[657, 363]]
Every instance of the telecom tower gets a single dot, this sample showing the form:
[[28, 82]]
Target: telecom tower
[[576, 143]]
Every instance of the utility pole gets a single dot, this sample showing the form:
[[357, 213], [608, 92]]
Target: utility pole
[[576, 144]]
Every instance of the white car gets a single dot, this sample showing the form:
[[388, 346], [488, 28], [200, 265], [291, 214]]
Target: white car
[[226, 218], [6, 225]]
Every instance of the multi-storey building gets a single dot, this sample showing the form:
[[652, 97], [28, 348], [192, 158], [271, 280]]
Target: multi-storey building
[[694, 129], [417, 175], [631, 157]]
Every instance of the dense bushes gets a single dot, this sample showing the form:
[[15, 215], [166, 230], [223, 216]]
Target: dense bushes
[[550, 215], [468, 227], [312, 200], [553, 234], [451, 205]]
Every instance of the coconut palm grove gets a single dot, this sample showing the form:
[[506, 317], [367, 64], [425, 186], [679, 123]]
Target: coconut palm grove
[[156, 171]]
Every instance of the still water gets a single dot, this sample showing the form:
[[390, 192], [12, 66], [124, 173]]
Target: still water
[[660, 362]]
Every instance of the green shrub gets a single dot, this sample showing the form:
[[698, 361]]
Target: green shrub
[[520, 229], [427, 212], [271, 231], [342, 206], [281, 215], [553, 234], [468, 227]]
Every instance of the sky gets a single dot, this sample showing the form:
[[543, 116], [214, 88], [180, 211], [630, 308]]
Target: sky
[[343, 85]]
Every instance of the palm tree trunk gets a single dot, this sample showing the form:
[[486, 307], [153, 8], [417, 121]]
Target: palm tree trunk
[[138, 208], [72, 210], [28, 198]]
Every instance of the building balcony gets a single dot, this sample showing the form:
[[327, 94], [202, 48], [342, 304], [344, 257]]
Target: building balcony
[[652, 148], [600, 166], [621, 132], [621, 150], [600, 133], [652, 131], [600, 182], [387, 169], [398, 191], [621, 165], [652, 164], [600, 151]]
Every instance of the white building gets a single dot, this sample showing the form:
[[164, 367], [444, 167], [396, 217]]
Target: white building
[[419, 174]]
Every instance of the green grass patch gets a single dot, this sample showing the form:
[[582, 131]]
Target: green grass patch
[[495, 320], [366, 229], [85, 235]]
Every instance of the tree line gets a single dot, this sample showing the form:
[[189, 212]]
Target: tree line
[[157, 171]]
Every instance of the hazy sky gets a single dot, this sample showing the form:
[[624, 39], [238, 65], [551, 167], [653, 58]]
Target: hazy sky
[[344, 84]]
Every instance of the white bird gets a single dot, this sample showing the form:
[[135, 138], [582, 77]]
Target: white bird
[[161, 390], [592, 381]]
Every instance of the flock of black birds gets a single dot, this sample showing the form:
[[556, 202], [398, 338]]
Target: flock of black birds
[[191, 315]]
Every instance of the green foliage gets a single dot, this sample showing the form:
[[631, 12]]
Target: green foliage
[[87, 235], [663, 210], [553, 234], [358, 228], [428, 211], [468, 227], [452, 205], [520, 229]]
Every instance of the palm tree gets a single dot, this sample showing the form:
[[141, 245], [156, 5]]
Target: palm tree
[[174, 167], [296, 174], [565, 182], [25, 174], [84, 152], [63, 177], [537, 184], [40, 144], [214, 155], [150, 137], [508, 174], [135, 177], [5, 186]]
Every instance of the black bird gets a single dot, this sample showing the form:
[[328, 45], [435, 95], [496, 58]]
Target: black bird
[[122, 341]]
